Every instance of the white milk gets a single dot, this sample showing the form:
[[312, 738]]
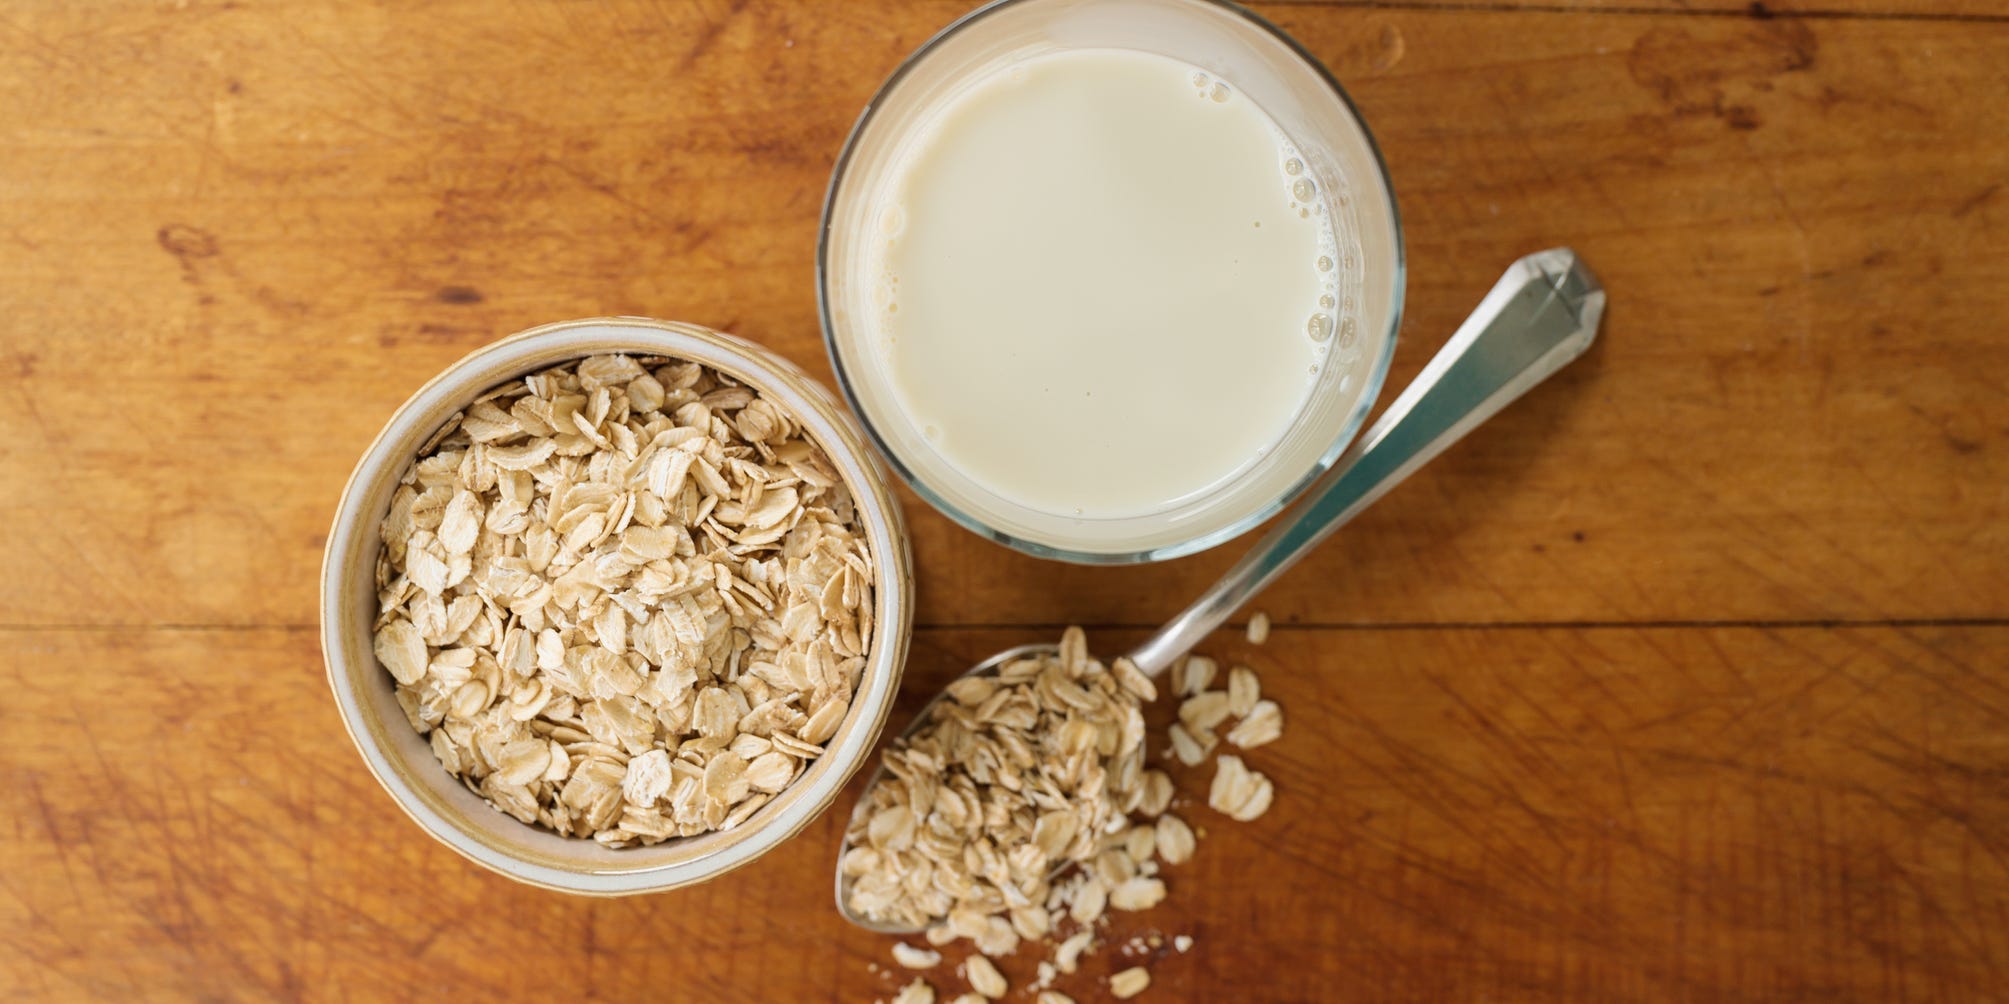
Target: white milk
[[1107, 283]]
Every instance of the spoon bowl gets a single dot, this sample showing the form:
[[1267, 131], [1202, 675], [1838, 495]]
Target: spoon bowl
[[921, 717]]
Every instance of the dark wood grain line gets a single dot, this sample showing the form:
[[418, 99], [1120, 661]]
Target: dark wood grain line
[[1234, 626], [1756, 11], [1698, 625]]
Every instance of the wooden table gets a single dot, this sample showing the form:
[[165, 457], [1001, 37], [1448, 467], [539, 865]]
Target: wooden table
[[1683, 679]]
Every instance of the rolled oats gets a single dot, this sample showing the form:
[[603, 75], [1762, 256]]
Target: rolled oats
[[1091, 897], [1237, 791], [1129, 983], [1175, 840], [1189, 747], [1244, 690], [1204, 710], [915, 958], [1137, 894], [1259, 628], [624, 601], [1263, 724], [984, 977], [1140, 843], [1068, 956], [1193, 674], [1157, 796]]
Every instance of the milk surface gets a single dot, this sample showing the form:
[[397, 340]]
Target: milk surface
[[1106, 283]]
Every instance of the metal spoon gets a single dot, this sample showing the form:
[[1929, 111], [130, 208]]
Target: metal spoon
[[1543, 313]]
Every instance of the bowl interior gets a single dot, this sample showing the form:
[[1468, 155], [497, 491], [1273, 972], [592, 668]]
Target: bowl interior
[[1264, 65], [402, 760]]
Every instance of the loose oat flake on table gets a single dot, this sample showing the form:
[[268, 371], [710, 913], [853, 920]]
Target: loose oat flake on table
[[626, 599], [1023, 809]]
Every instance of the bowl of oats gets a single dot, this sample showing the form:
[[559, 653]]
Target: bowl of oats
[[616, 605]]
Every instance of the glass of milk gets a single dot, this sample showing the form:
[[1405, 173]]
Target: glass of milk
[[1110, 280]]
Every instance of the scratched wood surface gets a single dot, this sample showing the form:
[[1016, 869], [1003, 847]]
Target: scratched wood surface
[[1551, 814], [1680, 680], [1958, 11], [262, 229]]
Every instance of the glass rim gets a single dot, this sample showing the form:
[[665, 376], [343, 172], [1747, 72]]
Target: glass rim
[[1370, 387]]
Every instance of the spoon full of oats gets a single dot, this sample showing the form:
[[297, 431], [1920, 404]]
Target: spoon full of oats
[[1030, 762]]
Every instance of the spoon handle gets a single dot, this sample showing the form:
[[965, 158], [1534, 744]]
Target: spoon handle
[[1543, 313]]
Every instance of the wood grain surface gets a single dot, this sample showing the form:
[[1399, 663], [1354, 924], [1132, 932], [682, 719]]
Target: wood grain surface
[[1681, 680]]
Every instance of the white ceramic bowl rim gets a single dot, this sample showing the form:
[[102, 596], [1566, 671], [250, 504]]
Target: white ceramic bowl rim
[[609, 874]]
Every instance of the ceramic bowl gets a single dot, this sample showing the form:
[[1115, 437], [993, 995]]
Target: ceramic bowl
[[401, 759]]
